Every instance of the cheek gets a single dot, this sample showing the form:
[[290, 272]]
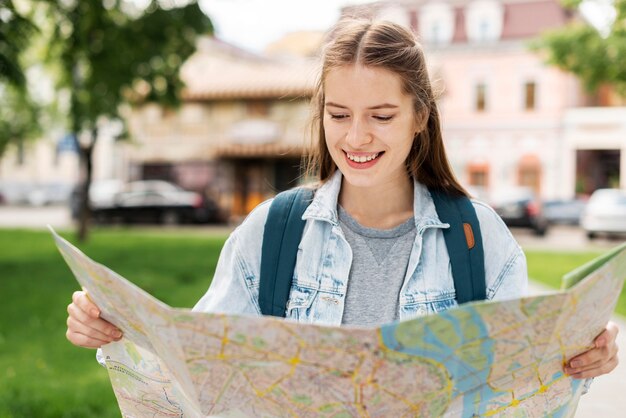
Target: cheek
[[332, 133]]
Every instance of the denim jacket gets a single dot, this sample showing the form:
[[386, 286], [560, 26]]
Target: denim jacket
[[324, 258]]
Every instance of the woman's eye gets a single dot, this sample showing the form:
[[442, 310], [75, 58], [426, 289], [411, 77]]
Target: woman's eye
[[383, 118], [338, 116]]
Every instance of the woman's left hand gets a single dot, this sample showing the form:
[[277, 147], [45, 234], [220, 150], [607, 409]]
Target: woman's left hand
[[599, 360]]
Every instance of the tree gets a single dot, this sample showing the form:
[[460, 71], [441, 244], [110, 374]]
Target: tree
[[15, 31], [596, 57], [109, 53], [18, 113], [19, 116]]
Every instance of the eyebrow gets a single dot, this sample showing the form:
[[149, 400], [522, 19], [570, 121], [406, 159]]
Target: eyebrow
[[380, 106]]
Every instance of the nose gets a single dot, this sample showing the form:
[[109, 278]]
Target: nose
[[358, 134]]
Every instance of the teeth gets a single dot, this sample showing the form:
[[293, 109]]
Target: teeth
[[362, 158]]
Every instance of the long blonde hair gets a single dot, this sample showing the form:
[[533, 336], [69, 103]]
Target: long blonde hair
[[392, 47]]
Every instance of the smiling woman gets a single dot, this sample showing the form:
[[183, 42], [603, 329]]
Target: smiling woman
[[373, 248]]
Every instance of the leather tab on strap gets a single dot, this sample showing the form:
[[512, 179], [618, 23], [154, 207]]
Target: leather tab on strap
[[469, 235]]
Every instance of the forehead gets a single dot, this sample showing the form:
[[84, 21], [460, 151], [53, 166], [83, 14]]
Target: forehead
[[364, 85]]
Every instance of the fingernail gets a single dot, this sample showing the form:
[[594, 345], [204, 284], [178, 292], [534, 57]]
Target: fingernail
[[600, 342], [116, 333], [94, 313], [575, 363]]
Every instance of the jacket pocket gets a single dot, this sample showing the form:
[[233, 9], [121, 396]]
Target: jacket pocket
[[300, 301], [423, 303]]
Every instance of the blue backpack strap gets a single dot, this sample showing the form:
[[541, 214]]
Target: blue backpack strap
[[465, 245], [281, 237]]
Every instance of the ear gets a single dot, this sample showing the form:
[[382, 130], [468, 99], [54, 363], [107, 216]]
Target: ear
[[421, 119]]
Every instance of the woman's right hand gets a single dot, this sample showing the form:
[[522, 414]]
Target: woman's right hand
[[85, 328]]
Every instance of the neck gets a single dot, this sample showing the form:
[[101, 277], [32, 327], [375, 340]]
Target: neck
[[382, 206]]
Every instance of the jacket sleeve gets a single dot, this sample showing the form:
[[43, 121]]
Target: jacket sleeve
[[506, 275], [235, 285]]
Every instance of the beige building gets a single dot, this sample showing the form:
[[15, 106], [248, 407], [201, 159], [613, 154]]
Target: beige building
[[239, 135]]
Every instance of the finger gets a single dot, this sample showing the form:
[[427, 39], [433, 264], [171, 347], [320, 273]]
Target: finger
[[598, 371], [99, 324], [82, 340], [602, 355], [608, 335], [81, 300], [78, 327], [594, 355], [587, 358]]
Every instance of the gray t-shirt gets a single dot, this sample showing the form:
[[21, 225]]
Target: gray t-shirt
[[379, 261]]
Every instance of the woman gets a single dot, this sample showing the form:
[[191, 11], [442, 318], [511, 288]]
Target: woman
[[372, 250]]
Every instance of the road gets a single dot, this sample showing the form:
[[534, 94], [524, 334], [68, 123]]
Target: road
[[606, 396]]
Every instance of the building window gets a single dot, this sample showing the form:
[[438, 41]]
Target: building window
[[436, 23], [435, 34], [481, 97], [478, 175], [483, 30], [530, 90], [484, 20], [529, 173], [258, 108]]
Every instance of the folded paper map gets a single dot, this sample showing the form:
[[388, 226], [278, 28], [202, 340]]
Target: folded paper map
[[481, 359]]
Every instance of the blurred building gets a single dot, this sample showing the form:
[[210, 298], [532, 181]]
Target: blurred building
[[296, 44], [45, 171], [239, 135], [509, 119]]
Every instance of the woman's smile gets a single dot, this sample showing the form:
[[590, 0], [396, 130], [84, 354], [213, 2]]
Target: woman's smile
[[362, 160]]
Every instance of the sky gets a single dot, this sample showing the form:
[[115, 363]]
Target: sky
[[253, 24]]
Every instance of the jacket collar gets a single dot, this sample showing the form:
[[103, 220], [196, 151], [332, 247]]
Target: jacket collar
[[324, 204]]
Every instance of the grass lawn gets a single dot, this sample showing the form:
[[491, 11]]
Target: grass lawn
[[548, 267], [43, 375]]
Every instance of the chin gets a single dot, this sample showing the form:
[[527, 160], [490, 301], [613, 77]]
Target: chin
[[358, 180]]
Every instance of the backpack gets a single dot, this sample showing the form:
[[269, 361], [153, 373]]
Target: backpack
[[283, 231]]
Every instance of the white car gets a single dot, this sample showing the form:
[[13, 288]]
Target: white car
[[605, 213]]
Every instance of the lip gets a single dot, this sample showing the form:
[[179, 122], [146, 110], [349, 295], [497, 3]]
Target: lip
[[365, 165]]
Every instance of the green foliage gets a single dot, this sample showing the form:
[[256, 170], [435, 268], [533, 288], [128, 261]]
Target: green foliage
[[15, 32], [18, 116], [18, 113], [109, 56], [596, 58], [41, 373]]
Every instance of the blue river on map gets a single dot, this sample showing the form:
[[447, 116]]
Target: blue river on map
[[455, 365]]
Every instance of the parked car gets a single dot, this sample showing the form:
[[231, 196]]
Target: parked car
[[565, 211], [49, 194], [156, 201], [101, 194], [519, 207], [605, 213]]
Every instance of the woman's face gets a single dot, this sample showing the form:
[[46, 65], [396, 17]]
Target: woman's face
[[369, 125]]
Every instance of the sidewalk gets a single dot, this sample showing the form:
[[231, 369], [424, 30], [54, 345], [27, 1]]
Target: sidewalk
[[607, 395]]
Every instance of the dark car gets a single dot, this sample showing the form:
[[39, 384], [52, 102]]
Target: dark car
[[519, 207], [155, 201]]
